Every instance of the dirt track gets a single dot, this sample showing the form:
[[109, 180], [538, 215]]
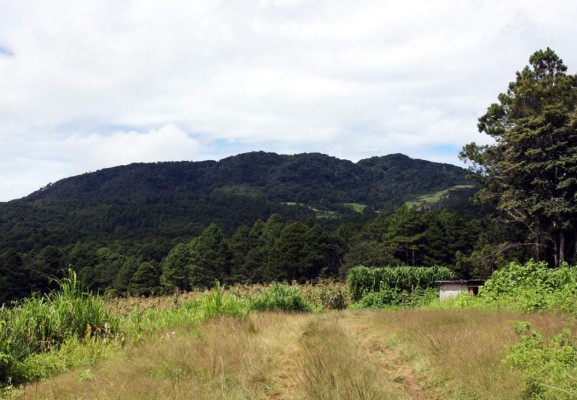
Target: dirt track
[[340, 355]]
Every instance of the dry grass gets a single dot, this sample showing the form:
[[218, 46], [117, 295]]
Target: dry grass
[[355, 354], [222, 359], [463, 349], [335, 364]]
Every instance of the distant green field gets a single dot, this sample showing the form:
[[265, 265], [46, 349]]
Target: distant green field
[[356, 207], [435, 197], [318, 213]]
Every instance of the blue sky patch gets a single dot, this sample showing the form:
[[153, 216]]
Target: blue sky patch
[[5, 51]]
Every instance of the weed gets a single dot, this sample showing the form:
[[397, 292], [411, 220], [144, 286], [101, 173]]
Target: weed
[[280, 297], [549, 367]]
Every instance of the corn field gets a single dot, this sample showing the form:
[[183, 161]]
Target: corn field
[[362, 280]]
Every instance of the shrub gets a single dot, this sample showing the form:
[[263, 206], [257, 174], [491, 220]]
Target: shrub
[[548, 367], [392, 297], [280, 297], [531, 287]]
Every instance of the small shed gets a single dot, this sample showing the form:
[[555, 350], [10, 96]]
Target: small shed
[[450, 289]]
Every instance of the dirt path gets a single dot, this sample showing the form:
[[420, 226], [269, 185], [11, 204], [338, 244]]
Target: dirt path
[[341, 355], [333, 356], [374, 342]]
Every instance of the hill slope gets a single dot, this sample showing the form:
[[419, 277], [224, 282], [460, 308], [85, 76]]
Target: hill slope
[[169, 200]]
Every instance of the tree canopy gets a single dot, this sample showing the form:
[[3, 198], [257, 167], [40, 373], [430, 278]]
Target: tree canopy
[[530, 171]]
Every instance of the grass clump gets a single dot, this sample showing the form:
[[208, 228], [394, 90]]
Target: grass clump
[[43, 324], [280, 297], [215, 303]]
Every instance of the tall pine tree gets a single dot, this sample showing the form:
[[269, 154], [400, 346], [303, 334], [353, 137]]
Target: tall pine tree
[[531, 169]]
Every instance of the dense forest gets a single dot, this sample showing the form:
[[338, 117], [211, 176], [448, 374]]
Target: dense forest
[[255, 217], [261, 217]]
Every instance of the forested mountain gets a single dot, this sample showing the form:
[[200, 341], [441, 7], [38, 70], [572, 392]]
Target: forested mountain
[[311, 178], [174, 199], [140, 212]]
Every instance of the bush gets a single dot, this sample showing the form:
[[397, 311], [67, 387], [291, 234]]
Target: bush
[[532, 287], [333, 298], [549, 367], [386, 297], [280, 297]]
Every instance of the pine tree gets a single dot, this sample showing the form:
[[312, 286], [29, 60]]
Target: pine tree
[[176, 268], [531, 169], [210, 258]]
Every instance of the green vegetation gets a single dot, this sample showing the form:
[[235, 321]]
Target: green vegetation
[[530, 170], [280, 297], [394, 298], [363, 280], [356, 207], [179, 228], [532, 286], [43, 324], [533, 367], [116, 227], [434, 198], [549, 366]]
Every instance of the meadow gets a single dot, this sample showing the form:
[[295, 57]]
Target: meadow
[[514, 341]]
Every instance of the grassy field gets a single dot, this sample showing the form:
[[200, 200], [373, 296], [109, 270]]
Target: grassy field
[[515, 340], [433, 198], [350, 354]]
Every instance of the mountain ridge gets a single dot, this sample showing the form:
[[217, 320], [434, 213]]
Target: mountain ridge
[[260, 169], [171, 201]]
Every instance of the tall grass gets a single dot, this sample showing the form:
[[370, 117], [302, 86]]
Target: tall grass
[[463, 351], [214, 303], [335, 366], [42, 323], [280, 297], [222, 358]]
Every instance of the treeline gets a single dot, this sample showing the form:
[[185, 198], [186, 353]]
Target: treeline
[[268, 250]]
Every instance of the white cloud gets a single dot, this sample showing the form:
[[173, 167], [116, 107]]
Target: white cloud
[[169, 143], [47, 160], [350, 78]]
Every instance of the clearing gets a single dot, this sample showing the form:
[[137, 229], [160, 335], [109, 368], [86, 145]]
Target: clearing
[[351, 354]]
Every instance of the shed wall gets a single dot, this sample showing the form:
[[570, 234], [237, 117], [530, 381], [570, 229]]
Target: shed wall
[[453, 289]]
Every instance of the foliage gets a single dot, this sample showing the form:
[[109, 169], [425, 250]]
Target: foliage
[[44, 323], [108, 223], [362, 280], [333, 297], [530, 170], [210, 257], [145, 280], [549, 367], [280, 297], [176, 268], [532, 286], [392, 297], [412, 237]]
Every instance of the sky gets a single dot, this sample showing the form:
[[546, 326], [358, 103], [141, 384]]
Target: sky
[[86, 85]]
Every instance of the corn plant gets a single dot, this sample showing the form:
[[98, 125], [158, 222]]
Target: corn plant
[[362, 280]]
